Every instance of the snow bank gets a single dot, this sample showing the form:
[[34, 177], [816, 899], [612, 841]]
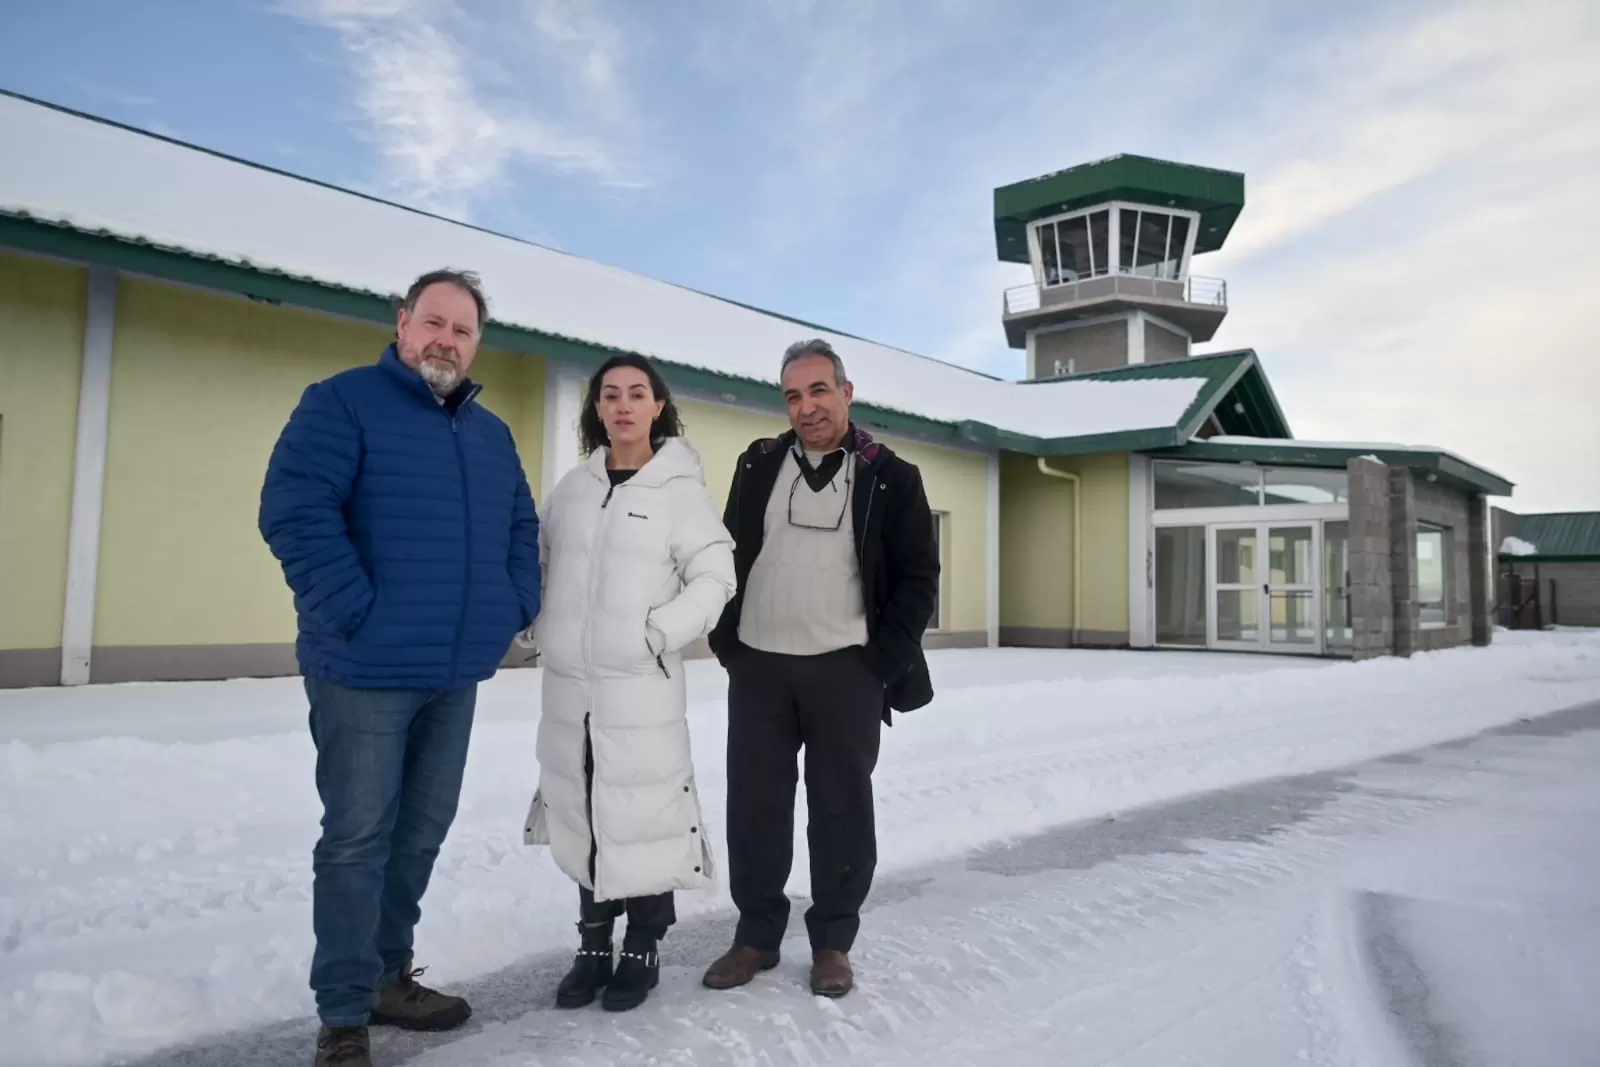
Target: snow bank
[[1516, 546], [155, 886]]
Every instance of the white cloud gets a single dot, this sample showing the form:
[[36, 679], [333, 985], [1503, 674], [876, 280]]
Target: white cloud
[[1417, 256], [1418, 251], [432, 90], [1414, 262]]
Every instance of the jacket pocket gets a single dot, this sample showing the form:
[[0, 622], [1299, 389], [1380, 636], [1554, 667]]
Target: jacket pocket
[[362, 624], [536, 828]]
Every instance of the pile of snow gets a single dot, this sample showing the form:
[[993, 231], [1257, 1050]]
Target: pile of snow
[[155, 840], [1516, 546]]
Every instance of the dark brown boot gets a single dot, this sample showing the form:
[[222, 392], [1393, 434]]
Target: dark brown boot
[[738, 966], [830, 973], [408, 1004], [343, 1046]]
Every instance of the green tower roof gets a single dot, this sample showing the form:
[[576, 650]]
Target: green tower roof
[[1218, 195]]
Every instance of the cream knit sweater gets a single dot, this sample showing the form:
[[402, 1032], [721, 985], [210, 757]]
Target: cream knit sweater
[[803, 596]]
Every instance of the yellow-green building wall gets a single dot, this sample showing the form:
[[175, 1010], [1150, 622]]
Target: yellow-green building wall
[[1036, 551], [201, 386], [42, 307]]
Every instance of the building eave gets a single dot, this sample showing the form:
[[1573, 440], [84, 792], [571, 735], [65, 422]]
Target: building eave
[[1441, 465], [275, 287]]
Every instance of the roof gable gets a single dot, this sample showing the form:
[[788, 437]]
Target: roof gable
[[1236, 391], [1230, 385]]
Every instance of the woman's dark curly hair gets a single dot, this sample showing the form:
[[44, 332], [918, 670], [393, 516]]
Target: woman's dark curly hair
[[592, 430]]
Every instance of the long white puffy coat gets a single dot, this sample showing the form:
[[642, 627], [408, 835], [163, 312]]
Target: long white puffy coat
[[631, 576]]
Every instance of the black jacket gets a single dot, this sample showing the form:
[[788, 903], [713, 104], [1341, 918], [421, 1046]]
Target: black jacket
[[894, 546]]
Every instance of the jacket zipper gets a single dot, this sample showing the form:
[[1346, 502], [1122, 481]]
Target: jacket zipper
[[588, 662], [466, 555], [738, 489], [738, 538], [866, 522], [588, 804], [861, 557], [594, 566], [598, 539]]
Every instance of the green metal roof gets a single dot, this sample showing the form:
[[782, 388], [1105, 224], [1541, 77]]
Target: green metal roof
[[1445, 466], [1218, 195], [277, 287], [1561, 536], [1237, 391], [1234, 388]]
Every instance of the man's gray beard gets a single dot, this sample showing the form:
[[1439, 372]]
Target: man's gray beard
[[441, 379]]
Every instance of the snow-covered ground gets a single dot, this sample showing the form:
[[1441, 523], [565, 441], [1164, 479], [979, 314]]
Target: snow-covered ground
[[155, 876]]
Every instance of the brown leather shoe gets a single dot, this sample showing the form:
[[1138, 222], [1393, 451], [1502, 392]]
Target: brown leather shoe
[[830, 973], [738, 965], [343, 1046], [410, 1005]]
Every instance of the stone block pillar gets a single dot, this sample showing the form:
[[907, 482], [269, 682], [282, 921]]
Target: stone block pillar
[[1371, 581], [1480, 595], [1403, 559]]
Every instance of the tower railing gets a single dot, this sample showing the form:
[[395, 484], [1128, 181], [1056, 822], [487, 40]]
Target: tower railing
[[1208, 292]]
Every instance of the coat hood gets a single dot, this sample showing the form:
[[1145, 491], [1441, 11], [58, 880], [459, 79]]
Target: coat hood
[[674, 458]]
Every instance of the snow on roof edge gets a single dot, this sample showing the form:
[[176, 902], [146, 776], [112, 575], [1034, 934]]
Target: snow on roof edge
[[1350, 446], [1174, 394], [97, 167]]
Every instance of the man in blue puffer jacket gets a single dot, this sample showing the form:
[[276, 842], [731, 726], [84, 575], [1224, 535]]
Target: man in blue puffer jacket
[[400, 512]]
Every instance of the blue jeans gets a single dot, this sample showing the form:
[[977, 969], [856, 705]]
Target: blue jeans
[[389, 767]]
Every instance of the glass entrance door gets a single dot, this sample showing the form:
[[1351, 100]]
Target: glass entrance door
[[1266, 588], [1236, 590], [1291, 587]]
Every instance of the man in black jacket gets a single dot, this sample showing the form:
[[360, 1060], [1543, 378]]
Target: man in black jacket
[[838, 576]]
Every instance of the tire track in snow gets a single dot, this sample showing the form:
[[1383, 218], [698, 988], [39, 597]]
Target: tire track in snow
[[1018, 953]]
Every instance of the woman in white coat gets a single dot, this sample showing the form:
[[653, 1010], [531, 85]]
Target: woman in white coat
[[636, 565]]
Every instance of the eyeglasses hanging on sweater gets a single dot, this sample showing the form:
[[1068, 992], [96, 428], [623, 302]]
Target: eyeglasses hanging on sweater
[[828, 501]]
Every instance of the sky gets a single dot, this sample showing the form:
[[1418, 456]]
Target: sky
[[1415, 261]]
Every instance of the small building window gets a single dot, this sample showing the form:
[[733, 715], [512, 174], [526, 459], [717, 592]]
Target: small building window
[[1152, 243], [1289, 485], [1224, 485], [1433, 576], [1206, 485], [1074, 248]]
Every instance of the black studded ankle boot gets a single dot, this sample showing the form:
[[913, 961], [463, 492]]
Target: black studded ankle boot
[[591, 970], [638, 972]]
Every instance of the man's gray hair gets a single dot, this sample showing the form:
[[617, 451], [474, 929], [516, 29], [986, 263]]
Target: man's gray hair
[[816, 346]]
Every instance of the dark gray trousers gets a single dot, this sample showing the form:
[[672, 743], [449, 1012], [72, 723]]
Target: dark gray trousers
[[830, 705]]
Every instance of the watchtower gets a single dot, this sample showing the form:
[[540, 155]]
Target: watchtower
[[1110, 244]]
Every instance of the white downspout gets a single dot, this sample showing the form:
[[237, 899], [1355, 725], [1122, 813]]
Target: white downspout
[[88, 478], [1077, 541]]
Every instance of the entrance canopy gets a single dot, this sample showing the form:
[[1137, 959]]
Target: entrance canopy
[[1427, 461]]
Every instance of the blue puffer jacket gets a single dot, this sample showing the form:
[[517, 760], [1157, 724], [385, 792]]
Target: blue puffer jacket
[[405, 528]]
